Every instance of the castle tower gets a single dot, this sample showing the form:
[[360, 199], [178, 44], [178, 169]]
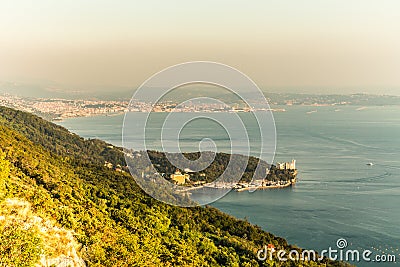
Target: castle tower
[[293, 164]]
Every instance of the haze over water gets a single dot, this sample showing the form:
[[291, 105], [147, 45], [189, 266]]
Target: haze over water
[[338, 195]]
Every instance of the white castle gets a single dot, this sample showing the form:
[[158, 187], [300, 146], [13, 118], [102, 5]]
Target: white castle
[[287, 165]]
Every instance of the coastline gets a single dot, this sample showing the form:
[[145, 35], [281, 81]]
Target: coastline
[[266, 187], [242, 189]]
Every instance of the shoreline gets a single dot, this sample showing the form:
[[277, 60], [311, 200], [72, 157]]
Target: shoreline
[[242, 189], [266, 187]]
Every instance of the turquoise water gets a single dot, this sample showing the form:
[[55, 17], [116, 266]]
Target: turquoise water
[[337, 196]]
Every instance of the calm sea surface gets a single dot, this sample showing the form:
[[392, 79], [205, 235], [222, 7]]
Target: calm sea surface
[[337, 196]]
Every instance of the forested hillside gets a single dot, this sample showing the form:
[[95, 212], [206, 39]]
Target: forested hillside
[[218, 167], [64, 186]]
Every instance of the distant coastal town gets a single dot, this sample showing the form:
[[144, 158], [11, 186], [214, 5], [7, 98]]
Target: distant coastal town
[[59, 109]]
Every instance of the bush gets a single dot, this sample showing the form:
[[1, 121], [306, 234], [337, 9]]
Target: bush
[[18, 246]]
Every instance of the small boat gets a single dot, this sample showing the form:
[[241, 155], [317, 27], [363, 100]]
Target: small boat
[[370, 164]]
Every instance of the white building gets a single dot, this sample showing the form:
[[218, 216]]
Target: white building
[[287, 165]]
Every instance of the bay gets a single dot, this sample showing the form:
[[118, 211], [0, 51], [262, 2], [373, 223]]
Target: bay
[[338, 195]]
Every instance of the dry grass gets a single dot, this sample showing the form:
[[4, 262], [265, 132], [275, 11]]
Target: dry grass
[[59, 247]]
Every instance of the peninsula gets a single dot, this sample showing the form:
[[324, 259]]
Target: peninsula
[[268, 176]]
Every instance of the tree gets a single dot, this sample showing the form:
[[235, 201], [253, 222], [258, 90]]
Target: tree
[[4, 173]]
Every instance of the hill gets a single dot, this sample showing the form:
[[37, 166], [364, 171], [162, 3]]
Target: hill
[[55, 189], [218, 166]]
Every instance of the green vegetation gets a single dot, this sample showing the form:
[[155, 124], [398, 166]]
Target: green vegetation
[[64, 179], [19, 246], [4, 173], [218, 167], [27, 238]]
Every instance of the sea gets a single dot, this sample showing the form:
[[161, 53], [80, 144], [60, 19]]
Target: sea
[[348, 161]]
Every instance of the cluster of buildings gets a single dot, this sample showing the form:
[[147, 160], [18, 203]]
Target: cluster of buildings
[[59, 109], [168, 106], [180, 178], [287, 165], [117, 168], [63, 108]]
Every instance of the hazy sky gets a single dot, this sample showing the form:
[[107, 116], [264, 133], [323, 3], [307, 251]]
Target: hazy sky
[[316, 46]]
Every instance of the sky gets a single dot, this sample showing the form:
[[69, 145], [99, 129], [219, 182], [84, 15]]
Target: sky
[[301, 46]]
